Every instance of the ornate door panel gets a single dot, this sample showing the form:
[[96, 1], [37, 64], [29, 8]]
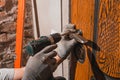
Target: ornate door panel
[[100, 22], [108, 37]]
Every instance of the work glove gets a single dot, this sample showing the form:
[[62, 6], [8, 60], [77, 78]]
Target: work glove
[[41, 65], [66, 44]]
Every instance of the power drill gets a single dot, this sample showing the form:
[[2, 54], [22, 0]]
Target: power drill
[[35, 46]]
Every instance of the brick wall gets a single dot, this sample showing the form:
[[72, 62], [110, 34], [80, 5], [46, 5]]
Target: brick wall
[[8, 17]]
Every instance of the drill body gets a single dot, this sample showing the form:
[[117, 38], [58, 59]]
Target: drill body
[[35, 46]]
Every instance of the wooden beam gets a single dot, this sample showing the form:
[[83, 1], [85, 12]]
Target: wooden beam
[[82, 15]]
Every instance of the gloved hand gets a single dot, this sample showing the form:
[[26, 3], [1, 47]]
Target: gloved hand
[[41, 65], [66, 44]]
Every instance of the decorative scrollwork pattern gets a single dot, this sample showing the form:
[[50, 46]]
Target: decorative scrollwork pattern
[[108, 39]]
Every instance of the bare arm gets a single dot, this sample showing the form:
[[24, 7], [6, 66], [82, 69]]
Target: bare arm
[[18, 73]]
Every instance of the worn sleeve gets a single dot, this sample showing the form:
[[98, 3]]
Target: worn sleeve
[[6, 74]]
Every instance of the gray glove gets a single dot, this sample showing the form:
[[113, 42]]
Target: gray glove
[[66, 44], [41, 65]]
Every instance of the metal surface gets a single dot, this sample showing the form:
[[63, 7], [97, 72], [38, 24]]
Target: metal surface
[[79, 38], [80, 53], [77, 35]]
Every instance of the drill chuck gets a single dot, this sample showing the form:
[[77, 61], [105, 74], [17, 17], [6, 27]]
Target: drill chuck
[[35, 46]]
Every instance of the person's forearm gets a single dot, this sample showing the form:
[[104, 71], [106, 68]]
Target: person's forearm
[[18, 74]]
